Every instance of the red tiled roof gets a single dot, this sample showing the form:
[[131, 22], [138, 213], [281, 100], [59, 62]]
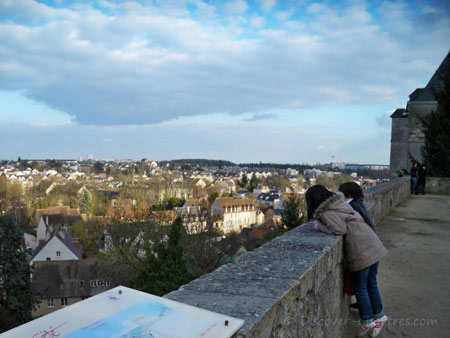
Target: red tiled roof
[[229, 201]]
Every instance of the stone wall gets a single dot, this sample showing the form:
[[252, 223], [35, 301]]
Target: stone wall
[[438, 185], [291, 286], [416, 139], [381, 199]]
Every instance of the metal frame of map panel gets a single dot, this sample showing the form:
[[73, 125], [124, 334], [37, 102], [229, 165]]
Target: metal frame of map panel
[[124, 313]]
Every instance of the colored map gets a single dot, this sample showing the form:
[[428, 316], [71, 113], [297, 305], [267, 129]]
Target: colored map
[[147, 319]]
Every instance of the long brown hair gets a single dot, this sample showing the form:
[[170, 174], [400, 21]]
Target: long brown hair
[[314, 197]]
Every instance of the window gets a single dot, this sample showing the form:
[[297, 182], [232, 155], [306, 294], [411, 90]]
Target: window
[[81, 282], [49, 302], [63, 302], [93, 283], [48, 259], [58, 253]]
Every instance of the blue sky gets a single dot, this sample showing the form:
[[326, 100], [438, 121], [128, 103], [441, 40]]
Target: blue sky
[[268, 80]]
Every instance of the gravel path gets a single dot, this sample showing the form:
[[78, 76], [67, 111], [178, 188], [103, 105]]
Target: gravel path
[[414, 278]]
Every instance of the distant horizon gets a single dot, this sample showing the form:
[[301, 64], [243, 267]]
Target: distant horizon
[[187, 160]]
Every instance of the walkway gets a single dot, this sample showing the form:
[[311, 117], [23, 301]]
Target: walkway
[[414, 278]]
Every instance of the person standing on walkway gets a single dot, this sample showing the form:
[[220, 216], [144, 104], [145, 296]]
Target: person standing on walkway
[[414, 178], [421, 179], [363, 250]]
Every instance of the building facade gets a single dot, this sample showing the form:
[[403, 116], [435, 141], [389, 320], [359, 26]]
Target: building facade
[[63, 283], [234, 214], [407, 138]]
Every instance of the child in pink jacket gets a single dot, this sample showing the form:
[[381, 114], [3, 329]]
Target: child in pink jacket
[[363, 250]]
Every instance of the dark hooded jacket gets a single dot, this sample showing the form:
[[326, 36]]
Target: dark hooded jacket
[[359, 206], [363, 248]]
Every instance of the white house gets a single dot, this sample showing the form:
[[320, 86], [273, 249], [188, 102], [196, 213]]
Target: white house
[[59, 247], [50, 172], [272, 198], [234, 214], [260, 189], [201, 183]]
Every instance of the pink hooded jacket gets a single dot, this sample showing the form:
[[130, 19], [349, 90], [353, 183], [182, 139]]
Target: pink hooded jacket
[[362, 246]]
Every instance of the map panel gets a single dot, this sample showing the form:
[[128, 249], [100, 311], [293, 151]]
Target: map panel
[[126, 313]]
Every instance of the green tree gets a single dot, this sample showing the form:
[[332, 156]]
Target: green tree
[[292, 213], [436, 128], [3, 194], [254, 181], [85, 203], [90, 234], [200, 245], [164, 268], [277, 181], [212, 197], [98, 167], [173, 202], [18, 296], [54, 164], [244, 181], [17, 207]]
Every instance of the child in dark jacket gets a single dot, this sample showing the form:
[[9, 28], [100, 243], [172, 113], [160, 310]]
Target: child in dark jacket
[[354, 196]]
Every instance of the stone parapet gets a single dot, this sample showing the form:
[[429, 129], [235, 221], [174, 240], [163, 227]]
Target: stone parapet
[[438, 185], [291, 286], [382, 198]]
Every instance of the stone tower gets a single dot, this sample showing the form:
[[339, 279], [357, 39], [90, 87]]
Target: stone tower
[[399, 140], [407, 138]]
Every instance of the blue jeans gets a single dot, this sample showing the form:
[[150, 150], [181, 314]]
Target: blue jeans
[[413, 185], [365, 287]]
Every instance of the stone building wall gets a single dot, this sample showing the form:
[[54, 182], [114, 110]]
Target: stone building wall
[[291, 286], [416, 138], [399, 144]]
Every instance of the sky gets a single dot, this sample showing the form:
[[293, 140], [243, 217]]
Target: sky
[[291, 81]]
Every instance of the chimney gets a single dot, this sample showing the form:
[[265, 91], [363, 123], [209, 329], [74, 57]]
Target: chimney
[[41, 241], [75, 242]]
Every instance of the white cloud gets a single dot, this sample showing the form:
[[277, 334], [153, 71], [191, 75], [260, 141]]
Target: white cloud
[[263, 116], [142, 64], [283, 15], [256, 21], [235, 7], [267, 5], [316, 8]]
